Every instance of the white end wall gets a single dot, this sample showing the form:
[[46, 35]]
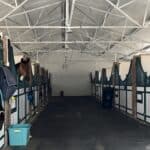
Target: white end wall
[[74, 80]]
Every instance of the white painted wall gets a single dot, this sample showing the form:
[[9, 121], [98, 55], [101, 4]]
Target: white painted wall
[[124, 69], [74, 80], [108, 72], [145, 59]]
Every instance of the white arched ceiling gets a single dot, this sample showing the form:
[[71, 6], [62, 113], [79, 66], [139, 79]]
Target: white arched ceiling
[[104, 29]]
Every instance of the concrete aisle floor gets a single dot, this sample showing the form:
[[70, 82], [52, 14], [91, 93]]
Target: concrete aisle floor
[[78, 123]]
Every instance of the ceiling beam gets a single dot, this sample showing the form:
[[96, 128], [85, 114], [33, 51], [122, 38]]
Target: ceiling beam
[[35, 9], [16, 3], [127, 4], [27, 19], [67, 13], [50, 33], [103, 22], [99, 10], [85, 14], [122, 12], [106, 15], [45, 34], [146, 11], [12, 11], [39, 17], [72, 11], [13, 21], [29, 22], [75, 27], [118, 2], [38, 20], [72, 42], [40, 2], [7, 4]]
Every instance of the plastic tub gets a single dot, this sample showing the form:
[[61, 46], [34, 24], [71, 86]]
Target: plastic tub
[[19, 134]]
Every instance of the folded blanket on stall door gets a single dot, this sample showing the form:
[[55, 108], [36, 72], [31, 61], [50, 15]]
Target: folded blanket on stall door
[[8, 83]]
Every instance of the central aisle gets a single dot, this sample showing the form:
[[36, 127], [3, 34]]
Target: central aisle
[[78, 123]]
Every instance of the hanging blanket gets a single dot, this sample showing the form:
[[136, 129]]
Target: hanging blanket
[[8, 83]]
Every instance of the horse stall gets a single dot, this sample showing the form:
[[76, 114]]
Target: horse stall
[[125, 93], [125, 98], [131, 83], [143, 88], [98, 87], [134, 88], [27, 100], [116, 84], [103, 82]]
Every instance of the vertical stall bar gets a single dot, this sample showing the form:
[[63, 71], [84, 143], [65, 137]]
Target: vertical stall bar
[[133, 76]]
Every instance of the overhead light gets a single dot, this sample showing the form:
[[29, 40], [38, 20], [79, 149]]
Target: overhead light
[[68, 30]]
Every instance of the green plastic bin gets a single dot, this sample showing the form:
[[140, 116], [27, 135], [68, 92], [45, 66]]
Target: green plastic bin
[[19, 134]]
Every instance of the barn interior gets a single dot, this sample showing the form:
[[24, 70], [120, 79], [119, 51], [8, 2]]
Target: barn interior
[[89, 62]]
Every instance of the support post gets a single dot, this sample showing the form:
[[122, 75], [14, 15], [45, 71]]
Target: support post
[[6, 121], [114, 80], [133, 77], [7, 108]]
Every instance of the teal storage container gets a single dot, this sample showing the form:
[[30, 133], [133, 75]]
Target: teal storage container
[[19, 134]]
